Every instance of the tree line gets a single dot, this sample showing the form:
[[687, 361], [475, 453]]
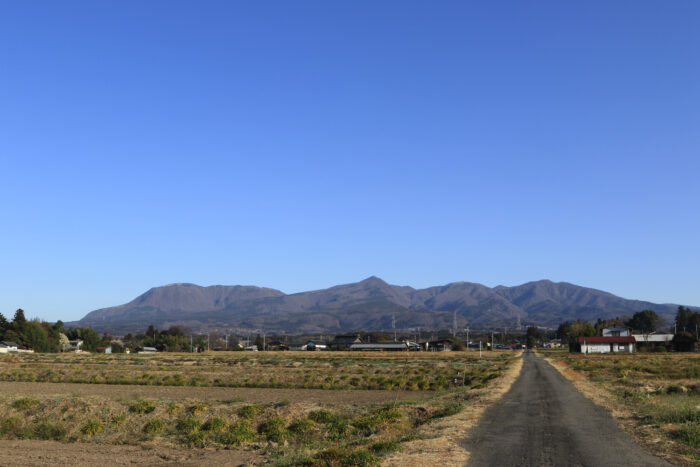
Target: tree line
[[42, 336]]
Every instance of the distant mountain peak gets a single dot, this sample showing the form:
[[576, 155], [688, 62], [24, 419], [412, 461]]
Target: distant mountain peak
[[374, 280]]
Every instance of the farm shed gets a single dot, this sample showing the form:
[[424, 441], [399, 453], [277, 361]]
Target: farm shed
[[605, 344], [653, 340]]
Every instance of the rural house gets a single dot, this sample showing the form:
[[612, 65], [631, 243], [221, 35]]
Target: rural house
[[74, 345], [345, 341]]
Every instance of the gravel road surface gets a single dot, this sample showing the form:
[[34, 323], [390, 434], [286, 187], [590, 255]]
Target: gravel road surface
[[544, 421]]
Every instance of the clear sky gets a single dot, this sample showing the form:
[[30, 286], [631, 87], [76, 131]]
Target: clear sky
[[299, 145]]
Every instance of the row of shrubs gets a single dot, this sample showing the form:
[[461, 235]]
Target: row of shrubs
[[190, 430]]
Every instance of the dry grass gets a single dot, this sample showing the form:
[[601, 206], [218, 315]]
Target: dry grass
[[654, 397], [415, 371], [285, 432]]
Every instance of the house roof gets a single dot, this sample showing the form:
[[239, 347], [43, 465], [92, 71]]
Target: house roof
[[606, 340], [9, 344]]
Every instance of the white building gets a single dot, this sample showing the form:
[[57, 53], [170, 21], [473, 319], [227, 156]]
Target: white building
[[7, 346]]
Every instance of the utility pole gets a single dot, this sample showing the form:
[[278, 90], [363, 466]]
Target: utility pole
[[492, 340], [207, 342], [479, 350], [191, 346], [393, 324], [454, 323], [226, 340]]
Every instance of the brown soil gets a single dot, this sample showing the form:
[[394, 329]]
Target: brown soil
[[262, 395], [41, 453]]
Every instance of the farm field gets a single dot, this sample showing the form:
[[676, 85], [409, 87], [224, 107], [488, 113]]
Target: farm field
[[656, 396], [281, 408], [291, 370]]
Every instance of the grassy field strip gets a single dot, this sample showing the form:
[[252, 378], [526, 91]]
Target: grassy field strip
[[266, 395], [446, 449], [655, 398]]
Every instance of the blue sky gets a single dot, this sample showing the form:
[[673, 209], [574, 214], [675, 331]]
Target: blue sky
[[299, 145]]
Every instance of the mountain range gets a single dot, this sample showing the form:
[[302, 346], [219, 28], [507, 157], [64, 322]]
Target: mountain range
[[371, 304]]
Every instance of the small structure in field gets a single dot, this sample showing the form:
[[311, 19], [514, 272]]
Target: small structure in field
[[148, 350], [381, 347], [345, 341], [605, 344], [107, 349]]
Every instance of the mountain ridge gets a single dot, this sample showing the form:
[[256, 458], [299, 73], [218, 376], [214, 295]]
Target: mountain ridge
[[370, 304]]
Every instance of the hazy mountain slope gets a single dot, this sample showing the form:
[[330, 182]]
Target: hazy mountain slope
[[180, 298], [370, 304]]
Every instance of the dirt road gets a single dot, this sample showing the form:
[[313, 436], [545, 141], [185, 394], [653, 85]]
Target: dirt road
[[544, 421]]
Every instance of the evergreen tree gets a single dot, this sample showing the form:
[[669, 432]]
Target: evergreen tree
[[646, 321], [19, 321], [259, 343], [36, 337], [4, 326]]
